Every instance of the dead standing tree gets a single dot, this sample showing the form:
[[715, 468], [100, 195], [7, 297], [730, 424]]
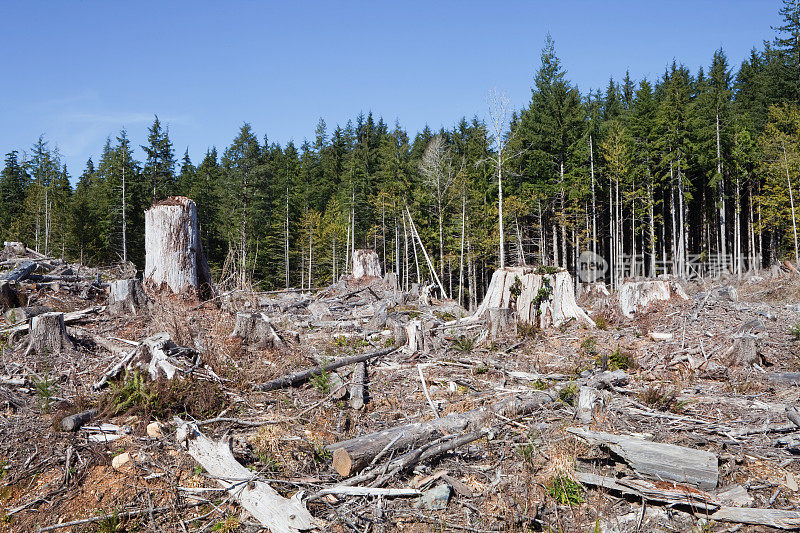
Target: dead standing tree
[[173, 250]]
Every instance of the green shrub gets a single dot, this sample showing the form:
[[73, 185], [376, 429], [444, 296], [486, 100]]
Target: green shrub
[[565, 491]]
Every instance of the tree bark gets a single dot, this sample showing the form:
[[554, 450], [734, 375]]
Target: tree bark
[[173, 250], [126, 296], [48, 335]]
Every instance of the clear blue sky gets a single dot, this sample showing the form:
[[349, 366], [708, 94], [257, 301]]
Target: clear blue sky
[[78, 72]]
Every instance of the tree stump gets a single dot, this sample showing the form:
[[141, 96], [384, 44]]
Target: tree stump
[[542, 298], [126, 296], [501, 320], [415, 340], [366, 264], [636, 295], [744, 352], [173, 250], [257, 331], [9, 298], [48, 335]]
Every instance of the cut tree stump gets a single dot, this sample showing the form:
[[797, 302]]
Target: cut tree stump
[[256, 331], [173, 250], [542, 299], [501, 320], [366, 264], [273, 511], [744, 352], [659, 461], [48, 335], [126, 297], [9, 298], [637, 295]]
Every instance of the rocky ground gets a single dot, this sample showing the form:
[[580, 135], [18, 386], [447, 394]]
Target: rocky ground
[[712, 373]]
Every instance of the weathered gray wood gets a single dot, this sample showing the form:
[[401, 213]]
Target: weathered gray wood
[[500, 321], [273, 511], [256, 331], [126, 296], [656, 460], [776, 518], [48, 335], [793, 414], [20, 272], [18, 314], [305, 375], [358, 386], [74, 422], [366, 264], [69, 318], [353, 455], [662, 492], [173, 249]]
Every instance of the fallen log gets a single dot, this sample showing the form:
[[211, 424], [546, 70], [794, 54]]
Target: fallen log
[[74, 422], [353, 455], [273, 511], [305, 375], [656, 460], [20, 272], [660, 491], [69, 318]]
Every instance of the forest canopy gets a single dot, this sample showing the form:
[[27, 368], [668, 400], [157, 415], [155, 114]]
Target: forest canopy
[[688, 174]]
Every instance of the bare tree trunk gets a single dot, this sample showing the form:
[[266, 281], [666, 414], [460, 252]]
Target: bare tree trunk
[[791, 203], [461, 257], [721, 185], [594, 204]]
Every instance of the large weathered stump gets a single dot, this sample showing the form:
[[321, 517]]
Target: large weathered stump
[[257, 331], [540, 297], [636, 295], [501, 320], [366, 264], [126, 296], [48, 334], [173, 250]]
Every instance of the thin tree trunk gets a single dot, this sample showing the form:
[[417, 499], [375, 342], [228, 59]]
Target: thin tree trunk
[[721, 185], [461, 257], [594, 205], [791, 203]]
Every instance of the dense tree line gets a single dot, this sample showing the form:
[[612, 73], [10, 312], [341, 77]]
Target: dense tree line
[[686, 174]]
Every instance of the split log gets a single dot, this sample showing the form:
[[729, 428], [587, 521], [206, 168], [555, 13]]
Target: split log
[[273, 511], [656, 460], [305, 375], [256, 330], [358, 386], [126, 296], [48, 335], [366, 264], [501, 320], [539, 298], [74, 422], [353, 455], [660, 491], [21, 272], [173, 249], [637, 295]]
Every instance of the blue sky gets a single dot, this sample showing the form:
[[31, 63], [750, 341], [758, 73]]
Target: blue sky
[[78, 72]]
